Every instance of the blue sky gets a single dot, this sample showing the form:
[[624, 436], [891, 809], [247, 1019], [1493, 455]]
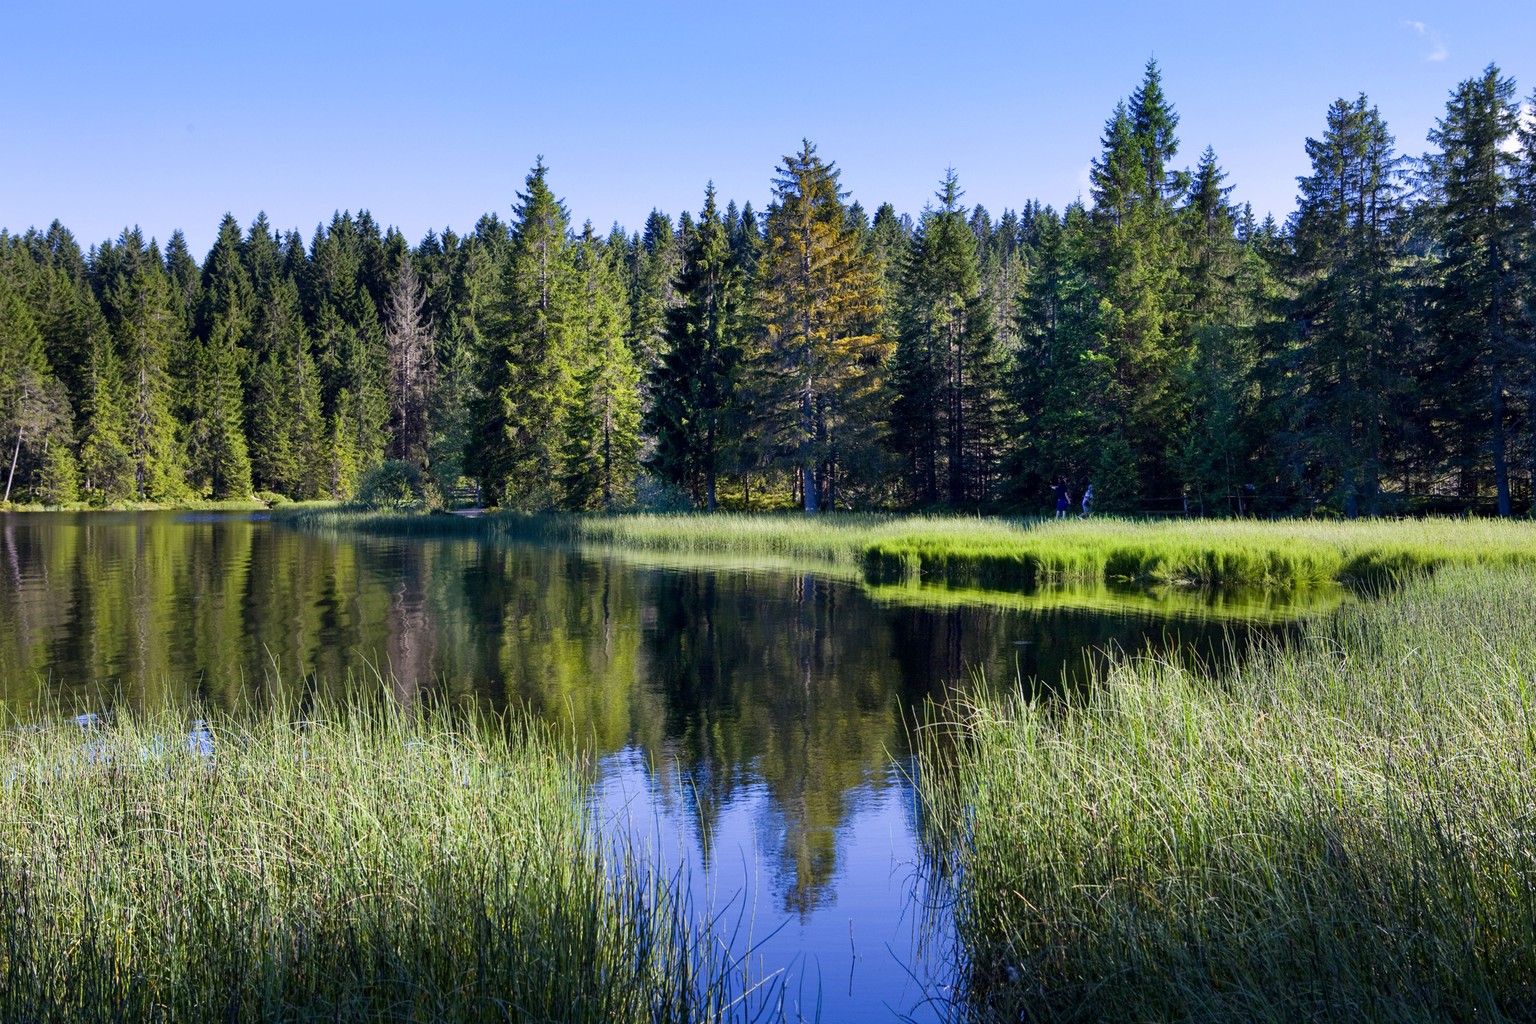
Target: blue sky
[[168, 115]]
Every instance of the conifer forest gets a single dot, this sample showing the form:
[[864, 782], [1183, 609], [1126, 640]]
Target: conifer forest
[[1373, 353]]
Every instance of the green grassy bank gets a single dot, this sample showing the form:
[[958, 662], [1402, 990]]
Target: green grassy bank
[[1339, 830], [1004, 553], [189, 505], [361, 865]]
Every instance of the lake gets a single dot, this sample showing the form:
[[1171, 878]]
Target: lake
[[750, 725]]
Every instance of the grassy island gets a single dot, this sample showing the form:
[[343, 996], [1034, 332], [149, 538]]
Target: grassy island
[[1011, 553]]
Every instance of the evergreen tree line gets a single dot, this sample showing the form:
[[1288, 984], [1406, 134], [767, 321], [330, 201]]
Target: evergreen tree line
[[1374, 353]]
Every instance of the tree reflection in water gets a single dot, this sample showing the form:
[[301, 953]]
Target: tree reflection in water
[[785, 697]]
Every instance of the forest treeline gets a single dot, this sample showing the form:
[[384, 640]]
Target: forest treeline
[[1373, 353]]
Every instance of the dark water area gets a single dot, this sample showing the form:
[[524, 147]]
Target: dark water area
[[754, 726]]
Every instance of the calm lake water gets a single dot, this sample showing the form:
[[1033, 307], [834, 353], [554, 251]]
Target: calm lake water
[[751, 725]]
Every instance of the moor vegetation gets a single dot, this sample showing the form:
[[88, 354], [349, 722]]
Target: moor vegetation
[[1338, 829], [347, 862], [1007, 554]]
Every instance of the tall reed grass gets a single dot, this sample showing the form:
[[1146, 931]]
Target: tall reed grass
[[1340, 829], [362, 864], [1012, 554]]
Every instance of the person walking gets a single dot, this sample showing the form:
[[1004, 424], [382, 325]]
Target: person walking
[[1087, 502], [1063, 499]]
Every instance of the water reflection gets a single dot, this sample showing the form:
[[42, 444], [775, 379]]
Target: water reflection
[[759, 718]]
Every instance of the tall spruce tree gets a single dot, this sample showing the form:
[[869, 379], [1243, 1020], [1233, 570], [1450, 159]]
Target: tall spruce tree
[[1064, 393], [656, 256], [819, 308], [287, 428], [34, 407], [149, 332], [692, 385], [1349, 307], [106, 464], [889, 243], [367, 365], [946, 374], [525, 389], [1145, 317], [602, 435], [227, 309], [66, 313], [1218, 455], [213, 408], [186, 280], [1477, 297], [1525, 220], [460, 305], [1003, 263]]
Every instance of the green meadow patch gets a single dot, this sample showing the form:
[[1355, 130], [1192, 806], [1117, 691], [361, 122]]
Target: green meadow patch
[[1011, 553]]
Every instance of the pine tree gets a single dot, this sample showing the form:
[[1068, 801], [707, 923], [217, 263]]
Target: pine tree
[[227, 310], [262, 257], [692, 383], [342, 471], [284, 418], [186, 280], [309, 428], [1217, 454], [526, 385], [461, 305], [890, 239], [1138, 263], [106, 464], [24, 383], [1349, 307], [1477, 299], [1063, 389], [66, 313], [58, 478], [1003, 263], [366, 367], [218, 459], [750, 448], [347, 261], [376, 256], [746, 239], [602, 436], [274, 463], [1525, 259], [946, 375], [148, 330], [657, 256], [819, 306]]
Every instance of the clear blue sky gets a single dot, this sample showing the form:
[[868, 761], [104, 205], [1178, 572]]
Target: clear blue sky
[[168, 115]]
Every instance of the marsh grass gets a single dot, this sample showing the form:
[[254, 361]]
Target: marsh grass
[[185, 505], [1291, 553], [1007, 554], [1342, 828], [358, 862]]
